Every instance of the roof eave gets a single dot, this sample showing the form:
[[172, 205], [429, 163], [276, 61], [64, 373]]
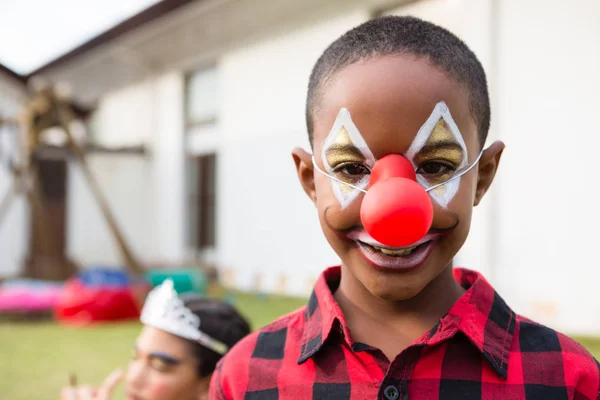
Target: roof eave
[[148, 15]]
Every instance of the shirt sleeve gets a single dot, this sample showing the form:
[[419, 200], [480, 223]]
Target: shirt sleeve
[[588, 382], [598, 394], [216, 389]]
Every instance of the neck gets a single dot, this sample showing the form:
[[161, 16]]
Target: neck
[[406, 320]]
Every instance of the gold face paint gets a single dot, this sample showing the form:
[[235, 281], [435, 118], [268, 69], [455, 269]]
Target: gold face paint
[[441, 151], [442, 145], [343, 150], [343, 157], [438, 153], [347, 157]]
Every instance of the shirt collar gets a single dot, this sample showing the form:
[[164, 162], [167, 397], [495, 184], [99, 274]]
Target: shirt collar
[[483, 316], [322, 313], [480, 314]]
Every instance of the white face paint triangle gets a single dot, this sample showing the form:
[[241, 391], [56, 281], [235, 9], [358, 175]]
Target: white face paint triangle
[[344, 142], [345, 132], [443, 194]]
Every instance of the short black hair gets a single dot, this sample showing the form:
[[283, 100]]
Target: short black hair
[[219, 320], [393, 35]]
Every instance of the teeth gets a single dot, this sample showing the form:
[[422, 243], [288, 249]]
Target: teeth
[[401, 252]]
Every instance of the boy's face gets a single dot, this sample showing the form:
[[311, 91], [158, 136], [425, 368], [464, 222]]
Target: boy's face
[[388, 102]]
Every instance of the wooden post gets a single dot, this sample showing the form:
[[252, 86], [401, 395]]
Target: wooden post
[[42, 226]]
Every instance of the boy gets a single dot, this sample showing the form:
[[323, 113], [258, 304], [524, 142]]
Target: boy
[[398, 322]]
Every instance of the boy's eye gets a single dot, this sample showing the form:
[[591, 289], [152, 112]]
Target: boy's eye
[[352, 169], [435, 168]]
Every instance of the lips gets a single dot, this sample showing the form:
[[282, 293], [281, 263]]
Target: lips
[[387, 258], [364, 237]]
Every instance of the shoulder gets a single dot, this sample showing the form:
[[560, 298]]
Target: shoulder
[[547, 352], [230, 379], [268, 340]]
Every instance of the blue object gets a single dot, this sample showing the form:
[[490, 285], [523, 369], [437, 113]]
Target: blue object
[[105, 276]]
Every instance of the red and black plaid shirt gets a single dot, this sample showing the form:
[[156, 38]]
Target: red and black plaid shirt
[[480, 350]]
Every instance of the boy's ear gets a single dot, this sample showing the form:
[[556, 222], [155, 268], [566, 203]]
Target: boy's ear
[[305, 170], [488, 165]]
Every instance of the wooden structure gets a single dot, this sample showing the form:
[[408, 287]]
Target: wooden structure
[[39, 172]]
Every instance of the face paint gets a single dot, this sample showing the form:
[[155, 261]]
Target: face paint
[[439, 153], [344, 153]]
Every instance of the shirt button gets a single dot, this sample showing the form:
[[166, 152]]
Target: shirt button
[[391, 393]]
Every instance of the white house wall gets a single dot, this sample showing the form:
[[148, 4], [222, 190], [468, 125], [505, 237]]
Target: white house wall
[[548, 80], [266, 225], [14, 227], [145, 193], [127, 117], [168, 157], [123, 118], [127, 182]]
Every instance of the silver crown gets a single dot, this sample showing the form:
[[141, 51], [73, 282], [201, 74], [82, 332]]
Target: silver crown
[[164, 310]]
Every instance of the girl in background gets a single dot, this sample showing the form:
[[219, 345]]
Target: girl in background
[[177, 350]]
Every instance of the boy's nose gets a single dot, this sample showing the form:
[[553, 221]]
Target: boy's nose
[[396, 210], [392, 166]]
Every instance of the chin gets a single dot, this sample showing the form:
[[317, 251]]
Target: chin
[[394, 288]]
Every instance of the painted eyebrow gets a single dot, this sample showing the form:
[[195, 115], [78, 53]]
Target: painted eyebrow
[[441, 145], [161, 356], [165, 358], [348, 148]]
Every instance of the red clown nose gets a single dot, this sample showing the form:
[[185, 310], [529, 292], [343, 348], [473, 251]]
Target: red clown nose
[[396, 210]]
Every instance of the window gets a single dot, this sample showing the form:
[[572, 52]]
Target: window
[[202, 109], [201, 183], [202, 97]]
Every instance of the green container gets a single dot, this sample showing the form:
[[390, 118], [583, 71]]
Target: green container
[[185, 280]]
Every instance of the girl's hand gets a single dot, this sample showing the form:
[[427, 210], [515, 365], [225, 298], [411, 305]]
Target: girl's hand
[[87, 392]]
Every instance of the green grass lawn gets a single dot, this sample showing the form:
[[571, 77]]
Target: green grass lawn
[[36, 358], [592, 344]]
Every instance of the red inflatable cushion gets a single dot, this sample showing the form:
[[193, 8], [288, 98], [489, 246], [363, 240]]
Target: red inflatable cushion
[[80, 304]]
